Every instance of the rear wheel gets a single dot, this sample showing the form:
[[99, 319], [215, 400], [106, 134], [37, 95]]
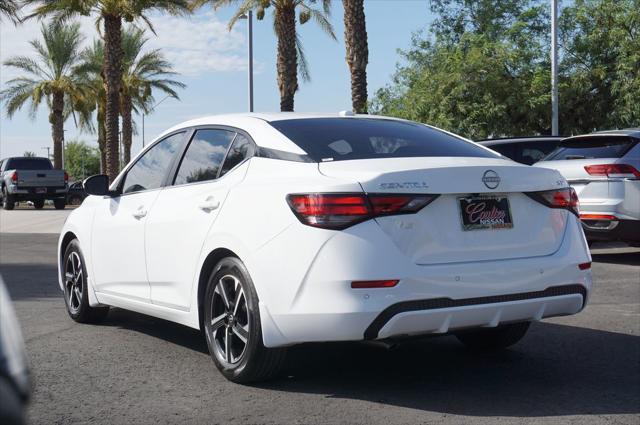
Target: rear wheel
[[59, 203], [8, 202], [494, 338], [38, 204], [232, 326], [76, 294]]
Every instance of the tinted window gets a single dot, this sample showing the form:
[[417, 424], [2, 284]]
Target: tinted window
[[241, 149], [532, 152], [204, 156], [592, 147], [335, 139], [505, 149], [29, 164], [150, 169]]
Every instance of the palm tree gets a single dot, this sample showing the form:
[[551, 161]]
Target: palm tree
[[10, 9], [290, 53], [142, 72], [111, 13], [92, 78], [355, 39], [49, 77]]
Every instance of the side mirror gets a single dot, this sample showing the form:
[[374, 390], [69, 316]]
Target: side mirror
[[96, 185]]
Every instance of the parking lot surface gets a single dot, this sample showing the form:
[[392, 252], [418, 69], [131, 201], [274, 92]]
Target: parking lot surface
[[137, 369]]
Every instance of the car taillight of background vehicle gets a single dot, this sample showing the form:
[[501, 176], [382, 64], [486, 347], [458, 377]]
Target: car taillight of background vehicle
[[66, 177], [558, 198], [613, 170], [339, 211], [14, 177]]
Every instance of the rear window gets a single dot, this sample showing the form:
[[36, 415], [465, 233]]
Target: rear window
[[339, 139], [592, 148], [29, 164]]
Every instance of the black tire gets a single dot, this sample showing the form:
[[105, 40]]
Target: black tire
[[243, 362], [59, 203], [8, 202], [76, 294], [492, 339], [38, 204]]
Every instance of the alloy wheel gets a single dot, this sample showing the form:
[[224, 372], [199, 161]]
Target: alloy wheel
[[229, 330], [73, 278]]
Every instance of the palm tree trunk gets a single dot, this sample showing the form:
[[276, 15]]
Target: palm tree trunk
[[127, 127], [287, 62], [355, 37], [56, 118], [113, 75], [102, 136]]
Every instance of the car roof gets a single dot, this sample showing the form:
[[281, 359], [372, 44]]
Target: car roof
[[633, 132], [525, 139], [258, 123]]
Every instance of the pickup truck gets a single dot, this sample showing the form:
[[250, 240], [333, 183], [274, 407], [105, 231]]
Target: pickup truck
[[32, 179]]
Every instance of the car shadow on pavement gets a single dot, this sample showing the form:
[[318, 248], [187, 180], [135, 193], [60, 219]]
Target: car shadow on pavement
[[629, 258], [556, 370]]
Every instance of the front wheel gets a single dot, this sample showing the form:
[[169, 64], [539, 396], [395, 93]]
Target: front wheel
[[489, 339], [232, 326], [76, 291]]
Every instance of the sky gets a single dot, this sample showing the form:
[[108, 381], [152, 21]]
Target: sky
[[212, 62]]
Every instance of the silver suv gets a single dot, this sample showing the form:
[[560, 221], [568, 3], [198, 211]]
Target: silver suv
[[603, 168]]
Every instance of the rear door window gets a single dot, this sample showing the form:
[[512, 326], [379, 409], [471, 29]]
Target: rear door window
[[241, 149], [593, 148], [337, 139], [203, 159]]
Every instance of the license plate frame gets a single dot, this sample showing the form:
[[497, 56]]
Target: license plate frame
[[485, 212], [41, 190]]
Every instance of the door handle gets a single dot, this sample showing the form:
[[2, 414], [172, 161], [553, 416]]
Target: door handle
[[209, 204], [140, 213]]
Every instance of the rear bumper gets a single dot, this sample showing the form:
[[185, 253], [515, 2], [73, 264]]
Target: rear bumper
[[29, 193], [433, 299], [624, 230]]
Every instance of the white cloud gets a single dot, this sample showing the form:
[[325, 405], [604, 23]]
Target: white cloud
[[194, 45]]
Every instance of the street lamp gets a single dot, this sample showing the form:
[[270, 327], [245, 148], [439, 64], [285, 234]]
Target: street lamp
[[554, 68], [249, 18], [151, 110]]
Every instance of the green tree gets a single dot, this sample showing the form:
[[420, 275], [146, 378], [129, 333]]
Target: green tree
[[483, 70], [355, 40], [290, 57], [48, 77], [81, 160], [143, 73], [111, 13]]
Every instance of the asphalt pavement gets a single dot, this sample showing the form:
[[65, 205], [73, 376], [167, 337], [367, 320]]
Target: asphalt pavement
[[134, 369]]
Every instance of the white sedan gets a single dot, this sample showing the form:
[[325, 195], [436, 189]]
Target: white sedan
[[269, 230]]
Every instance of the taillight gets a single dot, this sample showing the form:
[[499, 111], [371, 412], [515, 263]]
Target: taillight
[[14, 177], [339, 211], [558, 198], [66, 177], [370, 284], [613, 170]]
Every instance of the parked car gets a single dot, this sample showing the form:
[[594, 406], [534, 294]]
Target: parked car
[[525, 150], [603, 170], [269, 230], [76, 194], [32, 179], [15, 384]]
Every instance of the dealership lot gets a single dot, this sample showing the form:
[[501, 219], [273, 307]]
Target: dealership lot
[[138, 369]]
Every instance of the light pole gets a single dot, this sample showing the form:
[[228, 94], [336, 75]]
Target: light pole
[[249, 18], [48, 151], [151, 110], [554, 68]]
